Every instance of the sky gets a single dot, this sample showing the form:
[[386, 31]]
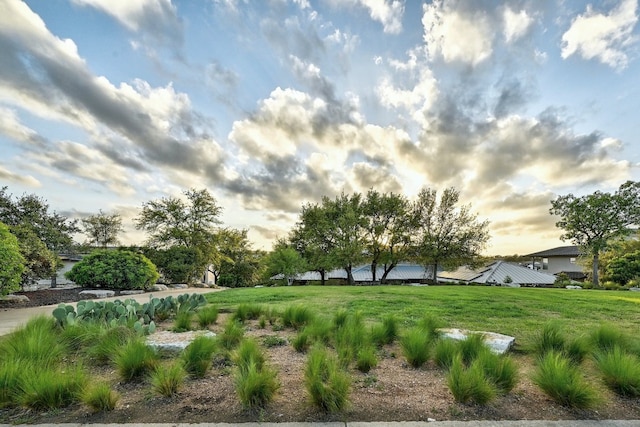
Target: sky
[[109, 104]]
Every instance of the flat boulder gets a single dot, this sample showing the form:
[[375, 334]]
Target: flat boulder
[[498, 343], [97, 293], [172, 343], [573, 287], [634, 289], [132, 292], [14, 299], [159, 287]]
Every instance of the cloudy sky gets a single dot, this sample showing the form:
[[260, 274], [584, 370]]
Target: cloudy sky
[[107, 104]]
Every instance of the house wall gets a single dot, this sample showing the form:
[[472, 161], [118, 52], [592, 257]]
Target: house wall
[[558, 264]]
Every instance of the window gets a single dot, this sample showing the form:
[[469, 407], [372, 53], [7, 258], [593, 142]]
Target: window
[[572, 260]]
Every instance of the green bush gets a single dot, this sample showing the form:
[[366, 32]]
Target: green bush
[[256, 387], [167, 380], [471, 347], [249, 353], [470, 384], [502, 371], [620, 371], [114, 269], [207, 316], [561, 380], [178, 264], [248, 311], [198, 356], [100, 397], [415, 346], [135, 359], [12, 263], [328, 386]]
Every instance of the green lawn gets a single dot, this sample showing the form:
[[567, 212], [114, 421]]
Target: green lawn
[[517, 312]]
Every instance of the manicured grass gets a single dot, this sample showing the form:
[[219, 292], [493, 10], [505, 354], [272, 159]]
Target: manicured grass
[[521, 312]]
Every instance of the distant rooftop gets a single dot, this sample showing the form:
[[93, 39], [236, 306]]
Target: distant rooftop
[[570, 251]]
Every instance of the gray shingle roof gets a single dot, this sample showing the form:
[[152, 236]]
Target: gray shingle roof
[[497, 272], [567, 251]]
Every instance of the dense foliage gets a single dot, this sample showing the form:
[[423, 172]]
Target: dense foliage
[[102, 229], [177, 264], [595, 220], [624, 268], [11, 261], [114, 269]]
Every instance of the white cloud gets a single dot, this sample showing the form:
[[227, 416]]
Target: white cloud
[[516, 25], [388, 12], [28, 180], [605, 37], [457, 35]]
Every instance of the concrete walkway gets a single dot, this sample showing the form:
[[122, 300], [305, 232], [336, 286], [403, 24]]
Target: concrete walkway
[[567, 423], [11, 318]]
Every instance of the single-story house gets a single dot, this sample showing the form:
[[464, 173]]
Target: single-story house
[[563, 259], [498, 273], [402, 273]]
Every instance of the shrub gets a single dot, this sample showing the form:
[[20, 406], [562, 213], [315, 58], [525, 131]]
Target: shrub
[[207, 316], [198, 356], [135, 359], [182, 321], [12, 263], [297, 316], [327, 385], [255, 386], [52, 388], [166, 381], [500, 370], [100, 397], [445, 353], [114, 269], [470, 384], [231, 335], [366, 359], [561, 380], [177, 264], [620, 371], [607, 337], [415, 346]]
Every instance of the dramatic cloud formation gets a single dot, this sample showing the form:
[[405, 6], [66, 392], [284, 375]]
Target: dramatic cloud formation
[[271, 105]]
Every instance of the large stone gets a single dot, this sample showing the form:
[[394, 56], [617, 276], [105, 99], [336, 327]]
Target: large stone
[[634, 289], [180, 286], [14, 299], [97, 293], [172, 343], [573, 287], [498, 343], [159, 288], [132, 292]]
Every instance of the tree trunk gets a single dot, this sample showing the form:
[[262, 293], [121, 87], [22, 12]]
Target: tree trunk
[[54, 280], [434, 273], [387, 270], [374, 270], [349, 275], [596, 260], [322, 276]]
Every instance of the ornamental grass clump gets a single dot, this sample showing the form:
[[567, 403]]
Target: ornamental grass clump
[[366, 358], [416, 346], [12, 371], [471, 347], [106, 342], [561, 380], [445, 353], [100, 397], [52, 387], [620, 371], [198, 356], [470, 384], [608, 337], [549, 339], [326, 383], [297, 316], [385, 333], [231, 335], [167, 380], [502, 371], [183, 320], [135, 359], [37, 341], [247, 311], [256, 384], [207, 316], [302, 341]]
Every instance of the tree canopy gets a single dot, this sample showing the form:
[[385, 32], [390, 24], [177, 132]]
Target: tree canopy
[[102, 229], [11, 261], [596, 220]]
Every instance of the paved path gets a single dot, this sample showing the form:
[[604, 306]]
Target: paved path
[[11, 318]]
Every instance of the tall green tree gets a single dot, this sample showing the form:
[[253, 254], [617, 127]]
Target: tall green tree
[[238, 265], [102, 229], [32, 212], [313, 239], [11, 261], [286, 261], [190, 223], [595, 220], [387, 230], [40, 262], [446, 234]]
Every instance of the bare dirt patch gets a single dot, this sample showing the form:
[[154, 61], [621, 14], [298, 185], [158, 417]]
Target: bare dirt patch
[[393, 391]]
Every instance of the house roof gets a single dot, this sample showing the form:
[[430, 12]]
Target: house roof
[[497, 272], [363, 273], [566, 251]]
